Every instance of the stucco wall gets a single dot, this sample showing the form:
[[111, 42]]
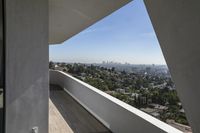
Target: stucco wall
[[26, 65]]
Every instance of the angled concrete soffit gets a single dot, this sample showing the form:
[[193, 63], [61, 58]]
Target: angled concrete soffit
[[69, 17]]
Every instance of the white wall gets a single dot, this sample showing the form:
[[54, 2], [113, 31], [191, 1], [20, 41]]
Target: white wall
[[118, 116]]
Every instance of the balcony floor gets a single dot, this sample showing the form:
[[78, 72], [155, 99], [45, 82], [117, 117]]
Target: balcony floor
[[68, 116]]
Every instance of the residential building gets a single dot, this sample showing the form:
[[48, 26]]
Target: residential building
[[28, 27]]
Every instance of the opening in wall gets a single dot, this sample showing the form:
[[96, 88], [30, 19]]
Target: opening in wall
[[121, 56]]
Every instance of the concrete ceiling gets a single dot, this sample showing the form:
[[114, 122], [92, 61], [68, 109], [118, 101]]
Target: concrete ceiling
[[69, 17]]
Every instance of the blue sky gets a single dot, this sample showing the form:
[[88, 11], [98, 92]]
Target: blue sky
[[126, 35]]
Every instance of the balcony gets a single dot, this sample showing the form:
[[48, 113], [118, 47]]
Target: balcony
[[68, 116], [78, 107]]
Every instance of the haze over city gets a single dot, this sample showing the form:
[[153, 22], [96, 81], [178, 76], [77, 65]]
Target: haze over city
[[126, 35]]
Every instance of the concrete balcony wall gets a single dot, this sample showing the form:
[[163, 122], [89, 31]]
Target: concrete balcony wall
[[118, 116], [26, 61]]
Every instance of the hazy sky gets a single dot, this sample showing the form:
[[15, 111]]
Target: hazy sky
[[126, 35]]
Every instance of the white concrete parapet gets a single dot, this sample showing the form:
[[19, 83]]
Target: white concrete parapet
[[116, 115]]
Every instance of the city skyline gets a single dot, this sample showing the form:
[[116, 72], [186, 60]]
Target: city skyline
[[126, 35]]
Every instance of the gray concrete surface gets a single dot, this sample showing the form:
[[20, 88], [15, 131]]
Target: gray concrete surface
[[69, 17], [77, 118], [116, 115], [177, 25], [1, 67], [26, 65]]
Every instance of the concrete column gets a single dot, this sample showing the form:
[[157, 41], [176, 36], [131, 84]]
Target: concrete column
[[177, 25], [26, 34]]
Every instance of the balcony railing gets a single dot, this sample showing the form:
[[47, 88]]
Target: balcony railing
[[116, 115]]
